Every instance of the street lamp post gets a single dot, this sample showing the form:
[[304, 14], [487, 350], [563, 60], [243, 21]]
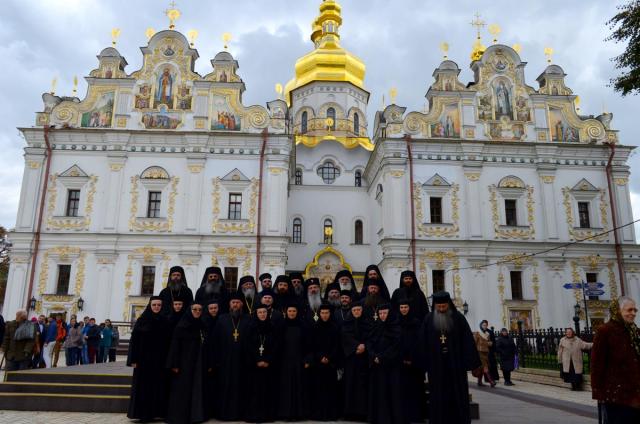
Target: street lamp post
[[576, 318], [465, 308]]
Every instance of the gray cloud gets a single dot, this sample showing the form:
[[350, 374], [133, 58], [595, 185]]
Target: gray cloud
[[397, 40]]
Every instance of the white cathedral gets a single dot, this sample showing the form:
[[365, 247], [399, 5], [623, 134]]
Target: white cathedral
[[500, 193]]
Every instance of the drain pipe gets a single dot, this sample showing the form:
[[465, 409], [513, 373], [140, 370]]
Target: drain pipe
[[614, 217], [259, 224], [407, 138], [36, 234]]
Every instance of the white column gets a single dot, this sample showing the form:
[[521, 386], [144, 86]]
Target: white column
[[104, 289], [474, 217], [549, 206], [622, 198], [114, 193], [30, 192], [396, 199], [194, 195], [17, 280], [274, 191]]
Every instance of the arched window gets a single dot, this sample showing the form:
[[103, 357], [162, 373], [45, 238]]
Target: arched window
[[356, 124], [358, 232], [328, 231], [303, 123], [328, 172], [331, 113], [297, 231], [298, 176], [358, 178]]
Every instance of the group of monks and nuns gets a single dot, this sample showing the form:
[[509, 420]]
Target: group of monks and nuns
[[386, 405], [372, 300], [186, 362], [261, 350], [210, 319], [213, 287], [356, 364], [265, 281], [147, 354], [248, 293], [297, 284], [412, 371], [449, 353], [283, 293], [343, 312], [345, 279], [176, 290], [372, 274], [409, 290], [229, 361], [313, 301], [292, 404], [273, 315]]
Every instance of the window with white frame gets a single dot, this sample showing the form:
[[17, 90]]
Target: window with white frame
[[296, 236], [235, 206], [328, 171]]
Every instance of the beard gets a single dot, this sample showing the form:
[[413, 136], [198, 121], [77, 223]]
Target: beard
[[175, 285], [213, 287], [235, 313], [443, 321], [249, 293], [345, 286], [298, 290], [335, 302], [372, 300], [314, 300]]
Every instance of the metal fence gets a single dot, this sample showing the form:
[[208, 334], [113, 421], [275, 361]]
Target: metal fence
[[539, 348]]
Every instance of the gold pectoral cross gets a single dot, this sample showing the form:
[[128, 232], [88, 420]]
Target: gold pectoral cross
[[315, 316], [235, 334], [261, 349], [443, 339]]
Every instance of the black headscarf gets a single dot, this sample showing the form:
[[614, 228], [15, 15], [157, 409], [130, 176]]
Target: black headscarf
[[149, 320], [384, 291], [212, 270]]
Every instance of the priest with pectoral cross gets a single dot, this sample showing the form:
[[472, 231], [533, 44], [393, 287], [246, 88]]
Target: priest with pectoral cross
[[313, 301], [449, 352], [372, 301], [229, 362]]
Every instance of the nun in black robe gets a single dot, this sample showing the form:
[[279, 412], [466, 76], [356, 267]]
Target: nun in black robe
[[185, 361], [385, 382], [292, 398], [369, 276], [213, 289], [176, 289], [148, 349], [325, 357], [230, 363], [208, 350], [412, 372], [262, 351], [449, 353], [356, 364], [419, 308]]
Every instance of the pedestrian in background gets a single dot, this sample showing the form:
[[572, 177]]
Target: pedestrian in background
[[49, 342], [61, 334], [18, 342], [570, 356], [483, 345], [105, 341], [93, 340], [73, 343], [506, 350], [115, 339]]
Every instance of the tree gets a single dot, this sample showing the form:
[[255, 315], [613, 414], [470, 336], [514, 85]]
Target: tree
[[4, 262], [626, 28]]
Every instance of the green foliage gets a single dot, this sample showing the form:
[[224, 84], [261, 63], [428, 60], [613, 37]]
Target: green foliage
[[626, 28]]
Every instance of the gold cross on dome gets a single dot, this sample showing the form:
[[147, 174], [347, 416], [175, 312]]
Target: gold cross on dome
[[478, 23]]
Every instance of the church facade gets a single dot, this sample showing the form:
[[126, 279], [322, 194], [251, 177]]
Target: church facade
[[500, 193]]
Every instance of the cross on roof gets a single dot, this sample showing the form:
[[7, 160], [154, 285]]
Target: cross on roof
[[478, 23]]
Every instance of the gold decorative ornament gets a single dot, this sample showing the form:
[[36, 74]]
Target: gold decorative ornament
[[33, 164], [219, 226], [196, 169], [472, 176], [621, 181], [115, 34], [526, 233], [393, 94], [548, 179], [75, 86], [517, 47], [115, 167], [444, 48], [548, 52], [193, 35], [226, 38], [54, 83], [152, 224], [279, 90], [582, 234], [495, 30], [150, 32], [431, 230], [173, 14]]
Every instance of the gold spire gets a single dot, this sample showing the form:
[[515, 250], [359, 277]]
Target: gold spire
[[75, 85], [328, 61], [548, 52], [115, 33], [478, 47], [495, 30], [444, 47], [393, 94], [192, 34], [54, 83], [226, 37], [279, 90], [173, 14]]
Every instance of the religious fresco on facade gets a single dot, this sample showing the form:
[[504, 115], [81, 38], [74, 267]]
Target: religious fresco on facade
[[523, 111], [161, 120], [184, 98], [560, 128], [504, 100], [143, 98], [506, 130], [485, 108], [524, 315], [164, 88], [223, 117], [101, 114], [448, 126]]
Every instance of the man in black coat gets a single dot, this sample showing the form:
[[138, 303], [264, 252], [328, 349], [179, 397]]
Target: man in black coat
[[176, 289], [356, 364], [213, 288]]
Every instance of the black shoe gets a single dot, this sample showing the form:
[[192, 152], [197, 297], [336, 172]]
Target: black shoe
[[508, 383], [480, 384]]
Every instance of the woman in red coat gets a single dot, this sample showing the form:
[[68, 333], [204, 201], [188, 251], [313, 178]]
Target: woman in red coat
[[615, 363]]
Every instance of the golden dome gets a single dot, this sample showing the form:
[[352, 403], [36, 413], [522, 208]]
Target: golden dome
[[328, 61]]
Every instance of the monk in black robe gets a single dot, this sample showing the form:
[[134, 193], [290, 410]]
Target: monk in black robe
[[385, 391], [210, 319], [412, 372], [213, 287], [265, 281], [185, 360], [148, 349], [230, 362], [324, 360], [297, 285], [312, 302], [274, 315], [345, 280], [373, 300], [409, 290], [371, 274], [332, 295], [356, 364], [449, 352], [283, 294], [292, 391], [176, 289], [262, 351], [248, 293], [343, 313]]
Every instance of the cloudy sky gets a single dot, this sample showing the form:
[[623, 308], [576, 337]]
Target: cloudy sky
[[398, 40]]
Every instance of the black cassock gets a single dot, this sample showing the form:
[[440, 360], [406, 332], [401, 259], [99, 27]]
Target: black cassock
[[222, 298], [230, 367], [168, 297], [261, 346], [324, 393], [356, 369], [148, 350], [186, 396], [292, 388], [418, 306], [448, 357], [412, 372], [208, 351], [385, 391]]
